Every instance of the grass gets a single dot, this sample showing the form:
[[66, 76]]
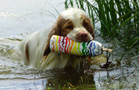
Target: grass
[[118, 19]]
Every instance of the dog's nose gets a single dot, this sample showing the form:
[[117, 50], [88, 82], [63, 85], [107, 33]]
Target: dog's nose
[[82, 35]]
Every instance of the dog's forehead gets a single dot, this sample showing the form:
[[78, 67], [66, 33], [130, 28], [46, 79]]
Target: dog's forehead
[[73, 14]]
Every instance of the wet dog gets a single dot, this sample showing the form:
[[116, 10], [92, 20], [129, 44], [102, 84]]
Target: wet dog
[[73, 23]]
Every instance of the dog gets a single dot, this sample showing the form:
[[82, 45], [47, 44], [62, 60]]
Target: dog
[[73, 23]]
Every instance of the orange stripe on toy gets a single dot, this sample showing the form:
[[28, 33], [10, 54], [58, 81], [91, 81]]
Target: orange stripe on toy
[[71, 47]]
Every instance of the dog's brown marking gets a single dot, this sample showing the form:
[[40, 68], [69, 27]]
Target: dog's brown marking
[[87, 24], [67, 27], [27, 52], [56, 30]]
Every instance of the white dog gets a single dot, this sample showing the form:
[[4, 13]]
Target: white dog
[[73, 23]]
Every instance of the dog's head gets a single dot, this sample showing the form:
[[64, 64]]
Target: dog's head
[[75, 24]]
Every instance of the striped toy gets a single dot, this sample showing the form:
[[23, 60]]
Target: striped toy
[[65, 45]]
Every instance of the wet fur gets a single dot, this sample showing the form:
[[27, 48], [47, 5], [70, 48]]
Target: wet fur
[[35, 49]]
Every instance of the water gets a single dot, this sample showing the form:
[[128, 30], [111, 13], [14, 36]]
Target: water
[[18, 19]]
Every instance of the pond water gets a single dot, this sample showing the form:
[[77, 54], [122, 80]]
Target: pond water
[[18, 18]]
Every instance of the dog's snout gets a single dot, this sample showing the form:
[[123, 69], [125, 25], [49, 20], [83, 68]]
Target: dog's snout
[[82, 35]]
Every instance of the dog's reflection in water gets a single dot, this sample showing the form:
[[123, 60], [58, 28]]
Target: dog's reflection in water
[[69, 79]]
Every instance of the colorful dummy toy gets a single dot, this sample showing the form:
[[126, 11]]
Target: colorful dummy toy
[[65, 45]]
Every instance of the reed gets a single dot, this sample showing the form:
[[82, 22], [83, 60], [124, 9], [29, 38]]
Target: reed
[[118, 18]]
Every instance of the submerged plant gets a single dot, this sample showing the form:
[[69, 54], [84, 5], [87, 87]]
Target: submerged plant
[[118, 18]]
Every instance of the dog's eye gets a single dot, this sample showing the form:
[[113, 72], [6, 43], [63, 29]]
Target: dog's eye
[[85, 24]]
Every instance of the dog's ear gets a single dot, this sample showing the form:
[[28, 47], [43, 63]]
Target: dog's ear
[[92, 32], [87, 23], [91, 28], [56, 30]]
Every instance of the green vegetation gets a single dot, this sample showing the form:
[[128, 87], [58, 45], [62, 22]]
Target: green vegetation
[[119, 19]]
